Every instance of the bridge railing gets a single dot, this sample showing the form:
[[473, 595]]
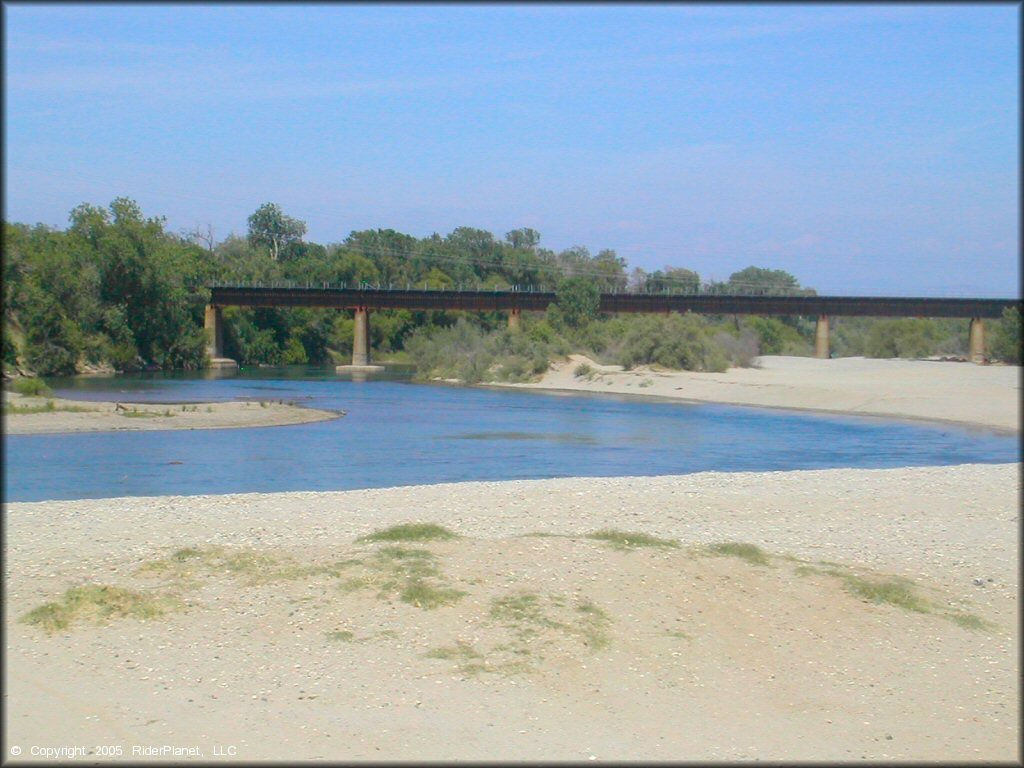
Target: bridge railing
[[706, 289]]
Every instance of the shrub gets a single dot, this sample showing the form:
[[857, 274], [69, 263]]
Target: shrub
[[584, 371], [740, 350], [1006, 337], [32, 387]]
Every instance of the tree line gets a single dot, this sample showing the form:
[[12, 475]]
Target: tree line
[[117, 289]]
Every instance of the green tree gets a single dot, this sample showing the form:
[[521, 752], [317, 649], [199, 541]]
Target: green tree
[[609, 270], [271, 228], [578, 300], [525, 239], [759, 281], [670, 280]]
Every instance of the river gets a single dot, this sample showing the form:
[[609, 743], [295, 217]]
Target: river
[[400, 433]]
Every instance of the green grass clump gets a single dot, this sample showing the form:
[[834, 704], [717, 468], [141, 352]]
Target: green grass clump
[[15, 408], [525, 615], [255, 567], [459, 652], [47, 407], [521, 609], [894, 591], [411, 574], [592, 625], [626, 540], [469, 660], [969, 621], [423, 595], [752, 553], [98, 603], [411, 532], [31, 387], [342, 635], [136, 414]]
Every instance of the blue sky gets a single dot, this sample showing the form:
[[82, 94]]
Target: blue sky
[[866, 149]]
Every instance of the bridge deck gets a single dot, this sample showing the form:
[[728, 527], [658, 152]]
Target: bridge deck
[[486, 301]]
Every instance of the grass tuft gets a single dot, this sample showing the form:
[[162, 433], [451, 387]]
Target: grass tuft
[[525, 615], [47, 407], [137, 414], [627, 540], [592, 625], [411, 532], [423, 595], [461, 651], [254, 567], [752, 553], [894, 591], [969, 621], [98, 603], [412, 574]]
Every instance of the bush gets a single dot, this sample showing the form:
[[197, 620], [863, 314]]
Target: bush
[[1006, 337], [676, 341], [739, 350], [32, 387], [905, 337], [583, 371]]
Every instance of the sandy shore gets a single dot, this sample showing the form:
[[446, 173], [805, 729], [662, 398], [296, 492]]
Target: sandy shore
[[285, 637], [553, 645], [91, 416], [963, 393]]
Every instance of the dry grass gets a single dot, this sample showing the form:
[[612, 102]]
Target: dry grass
[[98, 603], [752, 553], [185, 565], [627, 540], [410, 574], [411, 532]]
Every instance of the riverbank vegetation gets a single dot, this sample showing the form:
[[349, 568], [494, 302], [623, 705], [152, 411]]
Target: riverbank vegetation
[[116, 290]]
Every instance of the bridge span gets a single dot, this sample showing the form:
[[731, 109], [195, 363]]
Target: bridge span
[[363, 300]]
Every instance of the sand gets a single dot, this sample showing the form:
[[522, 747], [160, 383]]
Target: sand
[[89, 416], [962, 393], [288, 638], [690, 656]]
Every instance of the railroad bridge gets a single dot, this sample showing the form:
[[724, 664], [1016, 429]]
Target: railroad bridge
[[363, 300]]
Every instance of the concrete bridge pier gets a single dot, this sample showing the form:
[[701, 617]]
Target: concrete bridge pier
[[360, 346], [361, 338], [821, 339], [976, 340], [213, 323], [515, 320]]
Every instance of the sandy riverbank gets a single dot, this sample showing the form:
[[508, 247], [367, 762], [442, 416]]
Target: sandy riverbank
[[962, 393], [560, 646], [92, 416]]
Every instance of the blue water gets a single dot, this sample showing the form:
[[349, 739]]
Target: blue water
[[399, 433]]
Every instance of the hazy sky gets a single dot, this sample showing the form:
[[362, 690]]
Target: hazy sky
[[866, 149]]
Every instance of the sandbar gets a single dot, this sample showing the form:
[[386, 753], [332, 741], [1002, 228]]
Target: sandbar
[[985, 396], [123, 416]]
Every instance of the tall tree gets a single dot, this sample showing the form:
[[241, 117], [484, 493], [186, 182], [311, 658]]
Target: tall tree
[[757, 280], [525, 238], [673, 280], [269, 226]]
